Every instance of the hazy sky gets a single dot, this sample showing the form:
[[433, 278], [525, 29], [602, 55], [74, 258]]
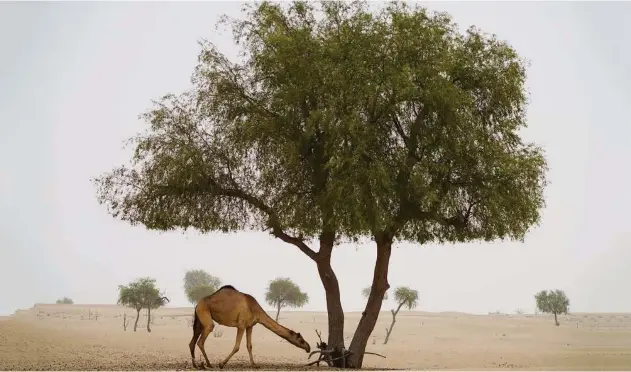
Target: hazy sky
[[75, 76]]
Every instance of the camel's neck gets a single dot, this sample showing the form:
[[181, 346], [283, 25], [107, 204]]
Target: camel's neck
[[273, 326]]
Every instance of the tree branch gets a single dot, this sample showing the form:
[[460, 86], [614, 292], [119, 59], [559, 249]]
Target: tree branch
[[273, 222]]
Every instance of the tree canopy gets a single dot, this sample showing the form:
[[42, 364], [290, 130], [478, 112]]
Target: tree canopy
[[199, 284], [198, 292], [339, 122], [139, 294], [421, 138], [406, 296], [65, 301], [282, 292], [553, 302]]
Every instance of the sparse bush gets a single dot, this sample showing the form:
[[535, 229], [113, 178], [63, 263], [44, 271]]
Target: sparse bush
[[65, 301], [217, 332]]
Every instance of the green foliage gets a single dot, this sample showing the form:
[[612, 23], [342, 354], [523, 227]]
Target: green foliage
[[406, 296], [141, 293], [366, 293], [552, 302], [65, 301], [352, 123], [199, 284], [198, 292], [283, 292]]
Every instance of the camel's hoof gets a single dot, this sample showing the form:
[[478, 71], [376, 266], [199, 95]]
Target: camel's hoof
[[255, 366], [220, 366]]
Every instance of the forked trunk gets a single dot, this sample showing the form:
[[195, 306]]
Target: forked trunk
[[278, 312], [333, 300], [137, 317], [373, 305], [148, 319]]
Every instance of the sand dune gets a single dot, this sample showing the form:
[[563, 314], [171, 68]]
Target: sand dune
[[72, 337]]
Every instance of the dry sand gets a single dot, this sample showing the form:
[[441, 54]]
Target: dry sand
[[71, 337]]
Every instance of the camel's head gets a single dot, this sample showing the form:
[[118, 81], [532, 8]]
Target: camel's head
[[300, 342]]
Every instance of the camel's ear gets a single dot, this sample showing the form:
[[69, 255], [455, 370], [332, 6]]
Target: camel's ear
[[299, 336]]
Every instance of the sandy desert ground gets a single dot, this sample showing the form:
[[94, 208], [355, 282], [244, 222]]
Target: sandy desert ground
[[73, 337]]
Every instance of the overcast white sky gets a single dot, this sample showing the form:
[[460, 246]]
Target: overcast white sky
[[75, 76]]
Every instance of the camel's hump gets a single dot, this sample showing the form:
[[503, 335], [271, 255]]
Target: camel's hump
[[227, 287]]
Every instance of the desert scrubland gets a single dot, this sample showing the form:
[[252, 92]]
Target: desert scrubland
[[72, 337]]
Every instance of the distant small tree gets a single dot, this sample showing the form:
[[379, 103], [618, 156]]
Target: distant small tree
[[199, 284], [404, 296], [283, 292], [155, 301], [199, 292], [139, 294], [366, 293], [65, 301], [553, 302]]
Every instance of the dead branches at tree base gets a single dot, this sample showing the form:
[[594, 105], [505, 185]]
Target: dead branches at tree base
[[326, 354]]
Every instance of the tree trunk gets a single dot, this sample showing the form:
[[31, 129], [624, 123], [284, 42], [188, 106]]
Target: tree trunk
[[278, 312], [394, 320], [555, 320], [148, 319], [333, 300], [373, 305], [137, 317]]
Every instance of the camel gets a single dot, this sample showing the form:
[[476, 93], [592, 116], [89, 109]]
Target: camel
[[231, 308]]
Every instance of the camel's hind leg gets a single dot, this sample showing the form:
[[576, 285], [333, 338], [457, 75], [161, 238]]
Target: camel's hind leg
[[248, 340], [197, 331], [206, 324], [237, 342]]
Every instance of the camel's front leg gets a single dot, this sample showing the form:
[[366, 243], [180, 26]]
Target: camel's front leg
[[236, 347], [248, 340]]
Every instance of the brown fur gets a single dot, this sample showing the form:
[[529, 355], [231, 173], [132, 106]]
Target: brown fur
[[232, 308]]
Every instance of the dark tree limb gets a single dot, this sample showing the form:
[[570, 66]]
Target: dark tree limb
[[325, 354]]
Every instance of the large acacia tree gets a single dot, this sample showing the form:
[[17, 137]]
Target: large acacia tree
[[340, 123]]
